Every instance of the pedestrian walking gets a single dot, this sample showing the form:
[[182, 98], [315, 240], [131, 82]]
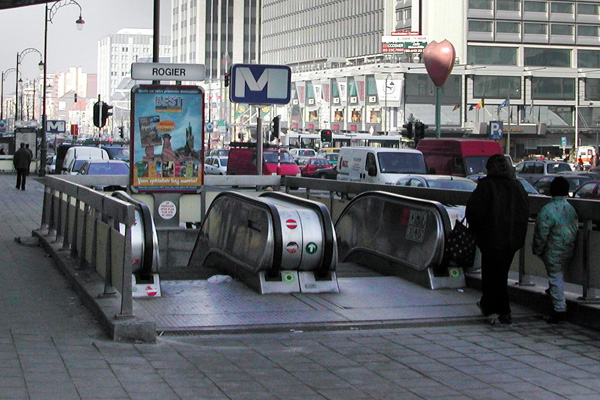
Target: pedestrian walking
[[21, 161], [497, 213], [554, 242]]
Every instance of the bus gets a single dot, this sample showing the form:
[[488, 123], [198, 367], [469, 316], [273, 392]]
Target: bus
[[313, 140]]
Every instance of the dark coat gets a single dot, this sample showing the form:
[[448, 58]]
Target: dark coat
[[498, 212], [22, 158]]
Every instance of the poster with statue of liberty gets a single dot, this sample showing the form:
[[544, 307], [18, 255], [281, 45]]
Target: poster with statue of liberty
[[166, 138]]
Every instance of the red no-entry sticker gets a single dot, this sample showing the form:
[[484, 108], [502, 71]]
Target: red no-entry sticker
[[291, 223], [292, 247]]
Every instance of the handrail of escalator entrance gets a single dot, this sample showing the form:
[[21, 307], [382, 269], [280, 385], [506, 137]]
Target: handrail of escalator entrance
[[146, 271], [326, 222], [277, 232]]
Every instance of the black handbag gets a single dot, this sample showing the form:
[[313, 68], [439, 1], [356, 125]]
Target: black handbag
[[460, 246]]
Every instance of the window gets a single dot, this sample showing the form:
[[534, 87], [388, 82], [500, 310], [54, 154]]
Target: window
[[587, 9], [561, 7], [535, 6], [592, 89], [562, 29], [480, 26], [508, 5], [547, 57], [535, 29], [587, 30], [553, 88], [480, 4], [508, 27], [492, 55], [496, 87]]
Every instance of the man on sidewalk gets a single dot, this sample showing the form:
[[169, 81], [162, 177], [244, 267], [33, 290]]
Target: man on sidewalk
[[21, 161]]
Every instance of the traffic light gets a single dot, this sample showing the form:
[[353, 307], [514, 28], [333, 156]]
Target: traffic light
[[275, 126], [106, 112], [420, 130], [326, 136], [75, 98], [97, 114], [121, 132], [409, 129], [226, 80]]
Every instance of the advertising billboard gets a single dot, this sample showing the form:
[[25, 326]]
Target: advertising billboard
[[167, 136]]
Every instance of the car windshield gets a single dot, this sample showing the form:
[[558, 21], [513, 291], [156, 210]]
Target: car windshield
[[306, 153], [271, 157], [392, 162], [528, 186], [78, 164], [476, 165], [452, 184], [553, 168], [108, 169]]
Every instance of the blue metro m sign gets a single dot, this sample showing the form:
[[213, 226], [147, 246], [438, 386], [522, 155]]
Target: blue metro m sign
[[260, 84]]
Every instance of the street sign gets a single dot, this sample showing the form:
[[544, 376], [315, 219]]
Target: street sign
[[57, 126], [209, 126], [260, 84], [168, 72], [496, 130], [2, 126]]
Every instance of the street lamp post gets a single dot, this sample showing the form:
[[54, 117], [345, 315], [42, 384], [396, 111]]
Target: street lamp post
[[50, 12], [4, 75], [20, 57], [386, 110]]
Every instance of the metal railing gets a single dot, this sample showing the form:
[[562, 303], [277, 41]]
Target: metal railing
[[83, 221]]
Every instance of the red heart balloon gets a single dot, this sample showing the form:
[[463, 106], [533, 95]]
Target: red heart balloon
[[439, 61]]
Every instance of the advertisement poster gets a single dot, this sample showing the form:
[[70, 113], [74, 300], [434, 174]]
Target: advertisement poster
[[167, 134]]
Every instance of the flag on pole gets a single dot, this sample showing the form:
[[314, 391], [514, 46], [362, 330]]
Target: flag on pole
[[480, 105], [472, 106], [455, 107], [505, 103]]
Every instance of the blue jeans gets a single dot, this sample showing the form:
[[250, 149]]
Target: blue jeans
[[557, 290]]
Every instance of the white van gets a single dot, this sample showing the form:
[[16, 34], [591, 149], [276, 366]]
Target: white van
[[380, 165], [80, 153]]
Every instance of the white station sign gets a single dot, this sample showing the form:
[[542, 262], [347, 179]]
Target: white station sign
[[168, 72]]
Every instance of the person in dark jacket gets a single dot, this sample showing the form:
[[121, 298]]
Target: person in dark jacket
[[21, 161], [497, 213]]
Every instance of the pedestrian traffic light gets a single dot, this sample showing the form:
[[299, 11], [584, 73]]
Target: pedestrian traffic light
[[98, 114], [226, 77], [106, 112], [326, 135], [275, 126], [409, 129]]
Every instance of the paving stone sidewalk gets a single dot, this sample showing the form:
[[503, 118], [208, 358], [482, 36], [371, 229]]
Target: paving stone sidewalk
[[51, 348]]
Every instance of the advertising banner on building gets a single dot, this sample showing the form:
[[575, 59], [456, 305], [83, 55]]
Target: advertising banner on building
[[403, 44], [390, 91], [167, 136]]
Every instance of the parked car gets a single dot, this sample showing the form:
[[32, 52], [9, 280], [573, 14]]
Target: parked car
[[331, 157], [81, 153], [438, 182], [51, 164], [543, 184], [242, 161], [312, 164], [215, 165], [326, 173], [103, 167], [299, 153], [535, 169], [589, 190], [529, 188]]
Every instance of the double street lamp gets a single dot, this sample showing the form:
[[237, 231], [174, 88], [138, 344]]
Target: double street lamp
[[50, 13], [4, 75], [20, 57]]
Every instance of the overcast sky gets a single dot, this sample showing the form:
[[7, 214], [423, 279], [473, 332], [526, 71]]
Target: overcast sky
[[22, 28]]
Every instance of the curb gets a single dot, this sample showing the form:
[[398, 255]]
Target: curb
[[90, 288]]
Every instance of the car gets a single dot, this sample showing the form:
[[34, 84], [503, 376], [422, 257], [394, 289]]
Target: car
[[103, 167], [51, 164], [313, 164], [529, 188], [543, 183], [326, 173], [331, 157], [219, 152], [300, 153], [534, 169], [242, 161], [438, 182], [215, 165], [117, 152], [588, 190]]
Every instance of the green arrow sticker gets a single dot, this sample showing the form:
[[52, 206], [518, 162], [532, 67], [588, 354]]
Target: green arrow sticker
[[311, 248]]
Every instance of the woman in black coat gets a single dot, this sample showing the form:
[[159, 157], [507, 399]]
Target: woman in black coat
[[497, 213]]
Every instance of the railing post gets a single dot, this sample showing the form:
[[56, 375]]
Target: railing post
[[524, 278], [45, 213], [67, 229], [589, 294], [83, 237], [76, 227], [126, 290], [109, 290], [59, 222]]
